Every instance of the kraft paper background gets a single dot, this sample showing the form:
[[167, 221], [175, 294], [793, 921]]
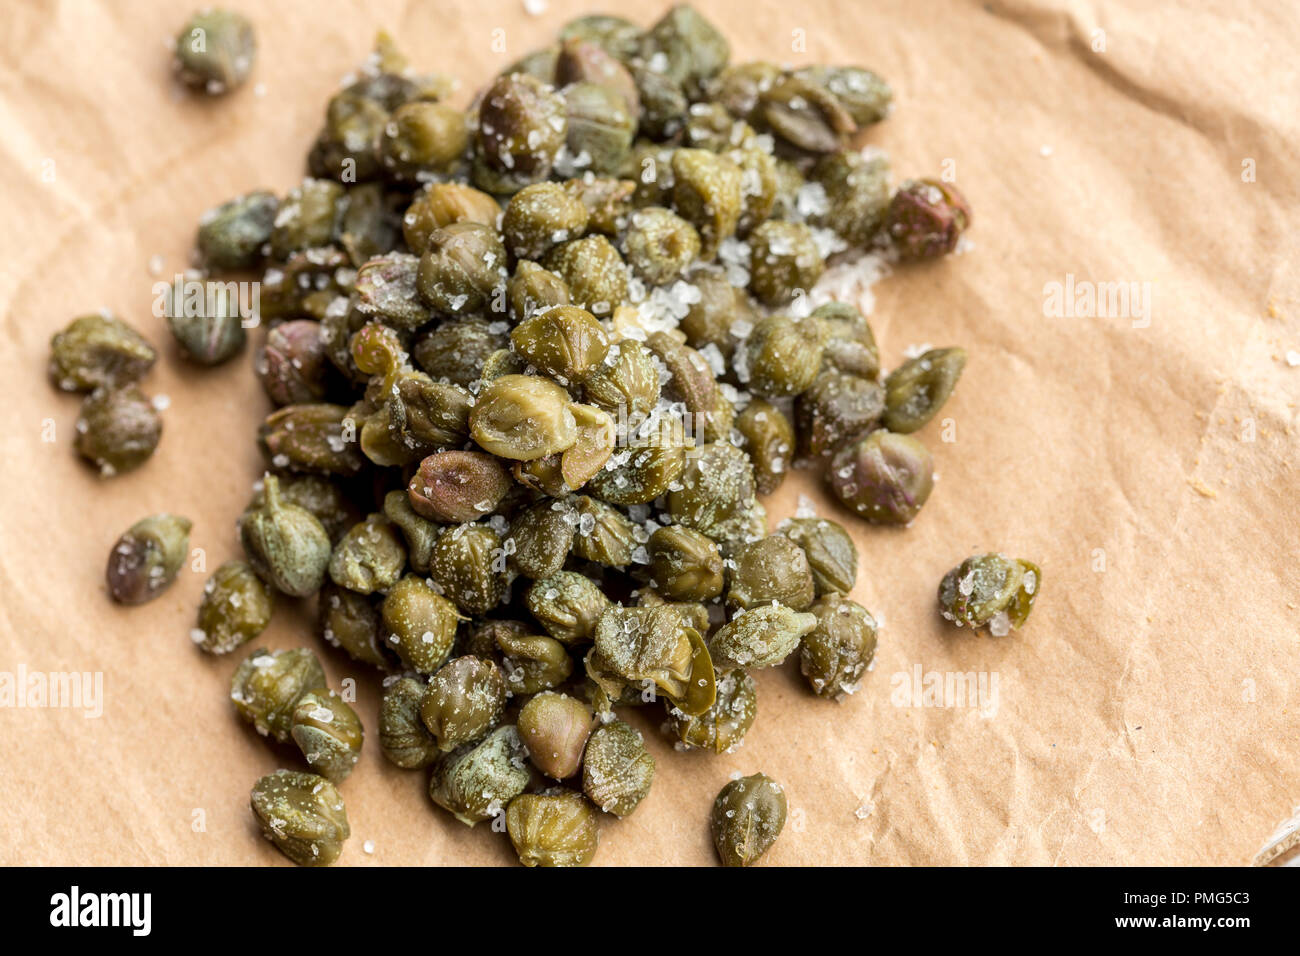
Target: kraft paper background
[[1147, 714]]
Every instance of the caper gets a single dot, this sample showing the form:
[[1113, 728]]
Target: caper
[[328, 732], [235, 608], [552, 829], [267, 686], [303, 815], [748, 815]]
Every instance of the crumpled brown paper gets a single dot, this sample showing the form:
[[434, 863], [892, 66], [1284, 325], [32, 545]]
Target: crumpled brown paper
[[1147, 714]]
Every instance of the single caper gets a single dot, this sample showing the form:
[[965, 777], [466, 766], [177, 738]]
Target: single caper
[[617, 770], [468, 565], [351, 621], [832, 556], [556, 828], [885, 478], [990, 590], [773, 569], [215, 50], [146, 559], [568, 605], [685, 565], [747, 817], [267, 686], [463, 701], [917, 389], [328, 732], [723, 726], [285, 543], [236, 607], [760, 637], [117, 430], [421, 624], [555, 727], [838, 651], [478, 781], [402, 735]]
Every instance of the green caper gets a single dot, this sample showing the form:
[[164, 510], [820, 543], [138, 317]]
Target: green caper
[[747, 817], [420, 623], [565, 342], [533, 289], [98, 350], [885, 478], [215, 51], [318, 438], [657, 645], [835, 410], [594, 272], [617, 770], [422, 137], [328, 732], [147, 557], [303, 815], [285, 543], [917, 389], [543, 537], [117, 430], [236, 607], [857, 194], [478, 781], [838, 651], [685, 564], [541, 216], [443, 204], [628, 384], [762, 636], [692, 49], [723, 726], [307, 218], [234, 234], [552, 829], [773, 569], [782, 355], [463, 701], [521, 128], [990, 590], [523, 417], [530, 662], [601, 125], [462, 268], [351, 621], [468, 564], [567, 605], [769, 442], [784, 261], [402, 735], [832, 557], [267, 686], [555, 727], [707, 191], [370, 557]]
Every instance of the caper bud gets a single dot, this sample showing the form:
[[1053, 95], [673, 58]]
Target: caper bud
[[320, 496], [552, 829], [463, 266], [739, 86], [597, 436], [664, 103], [554, 728], [604, 534], [145, 560], [540, 216], [747, 817], [990, 590], [371, 226], [926, 218], [835, 410], [443, 204], [350, 621], [565, 342], [784, 261], [648, 465], [656, 644], [851, 345], [593, 270], [463, 701], [601, 125], [567, 605], [617, 770], [425, 415], [523, 417], [292, 365], [837, 652], [685, 565], [421, 624], [917, 389], [773, 569], [707, 192], [608, 201], [723, 726], [210, 328], [328, 732], [762, 636], [584, 61], [717, 484], [370, 557], [720, 307], [884, 477], [467, 563], [533, 289], [117, 430], [236, 607], [285, 543], [478, 781], [783, 355], [618, 37], [693, 50], [543, 537], [864, 95], [769, 442], [832, 556], [691, 381], [422, 137], [317, 437], [458, 486], [98, 350], [402, 735], [530, 662], [267, 686], [521, 128], [347, 148], [420, 533], [232, 235], [762, 186], [386, 291], [215, 51], [710, 126], [308, 218], [628, 384], [857, 194], [303, 815]]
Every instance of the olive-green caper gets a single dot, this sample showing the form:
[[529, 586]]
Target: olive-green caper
[[285, 543], [990, 590], [838, 651], [317, 437], [657, 645], [769, 441], [541, 216], [747, 817], [308, 218], [421, 138], [601, 125], [478, 781], [532, 289], [98, 350], [322, 497], [458, 486], [347, 147], [723, 726], [370, 557], [371, 224], [468, 564], [351, 621], [328, 732], [402, 735], [691, 48], [628, 383], [543, 537], [784, 261], [856, 187], [530, 662], [710, 126], [717, 484], [597, 436], [926, 217], [692, 382], [455, 351], [236, 607], [585, 61], [386, 291], [303, 815], [608, 201], [685, 565], [593, 270], [208, 328], [617, 770], [647, 465], [117, 430], [721, 306], [707, 191], [565, 342], [147, 557], [762, 186], [805, 115], [426, 416], [864, 95], [832, 556], [443, 204], [267, 686], [522, 417], [462, 269], [215, 51], [521, 128], [420, 623], [851, 345], [567, 605], [419, 532], [762, 636], [555, 727], [463, 701], [617, 36], [782, 355], [917, 389], [884, 477], [772, 569], [233, 235], [552, 829], [836, 409], [739, 86], [604, 534]]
